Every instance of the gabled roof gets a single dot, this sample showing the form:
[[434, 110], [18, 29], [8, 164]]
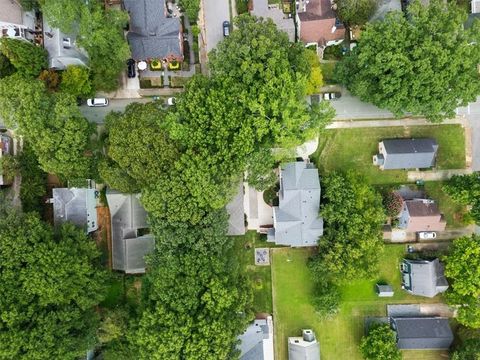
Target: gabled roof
[[75, 205], [129, 219], [424, 277], [421, 208], [409, 153], [256, 343], [152, 34], [296, 219], [421, 333]]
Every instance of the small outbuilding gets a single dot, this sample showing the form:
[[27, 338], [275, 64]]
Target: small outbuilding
[[384, 290]]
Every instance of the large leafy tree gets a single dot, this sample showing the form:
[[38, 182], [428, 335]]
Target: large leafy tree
[[465, 189], [424, 63], [463, 270], [62, 14], [49, 287], [28, 59], [380, 344], [191, 8], [469, 350], [353, 215], [195, 288], [76, 81], [58, 134], [355, 12]]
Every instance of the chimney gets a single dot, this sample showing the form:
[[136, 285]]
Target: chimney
[[308, 335]]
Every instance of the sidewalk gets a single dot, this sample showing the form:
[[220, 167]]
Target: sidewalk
[[348, 124], [436, 175]]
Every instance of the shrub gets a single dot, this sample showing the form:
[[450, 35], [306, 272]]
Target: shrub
[[393, 202], [326, 298]]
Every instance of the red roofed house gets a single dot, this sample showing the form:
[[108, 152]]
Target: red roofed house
[[421, 215], [318, 24]]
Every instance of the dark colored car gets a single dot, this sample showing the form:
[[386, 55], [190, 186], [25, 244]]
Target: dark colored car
[[226, 28], [131, 68]]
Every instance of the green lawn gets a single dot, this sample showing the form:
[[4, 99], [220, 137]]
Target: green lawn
[[344, 149], [454, 213], [260, 276], [339, 337]]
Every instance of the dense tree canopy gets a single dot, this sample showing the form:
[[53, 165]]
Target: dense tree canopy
[[195, 288], [62, 14], [469, 350], [463, 270], [465, 189], [6, 67], [191, 8], [353, 215], [59, 134], [424, 63], [355, 12], [76, 81], [49, 287], [28, 59], [380, 344]]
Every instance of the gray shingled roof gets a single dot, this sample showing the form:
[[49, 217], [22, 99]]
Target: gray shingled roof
[[152, 35], [129, 247], [409, 153], [424, 278], [236, 213], [75, 205], [251, 341], [422, 333], [296, 219]]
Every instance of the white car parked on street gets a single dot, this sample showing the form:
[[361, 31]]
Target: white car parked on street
[[97, 102], [427, 235]]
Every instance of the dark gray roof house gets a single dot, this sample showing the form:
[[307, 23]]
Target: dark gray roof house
[[305, 347], [153, 34], [75, 205], [422, 333], [256, 343], [296, 221], [406, 154], [423, 277], [130, 238]]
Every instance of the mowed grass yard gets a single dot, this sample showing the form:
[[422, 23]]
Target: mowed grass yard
[[340, 336], [345, 149]]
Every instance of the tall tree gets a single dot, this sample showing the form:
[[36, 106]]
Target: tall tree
[[463, 270], [28, 59], [380, 344], [49, 287], [465, 189], [355, 12], [469, 350], [195, 288], [76, 81], [62, 14], [191, 8], [424, 63], [353, 215]]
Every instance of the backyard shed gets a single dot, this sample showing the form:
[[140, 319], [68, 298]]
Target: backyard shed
[[384, 290]]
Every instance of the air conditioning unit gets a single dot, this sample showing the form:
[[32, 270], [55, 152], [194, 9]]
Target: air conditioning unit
[[67, 44]]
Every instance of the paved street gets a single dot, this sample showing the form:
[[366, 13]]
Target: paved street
[[215, 12], [97, 114]]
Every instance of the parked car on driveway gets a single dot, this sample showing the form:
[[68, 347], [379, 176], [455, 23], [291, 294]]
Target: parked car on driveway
[[226, 28], [427, 235], [97, 102], [331, 96], [131, 68]]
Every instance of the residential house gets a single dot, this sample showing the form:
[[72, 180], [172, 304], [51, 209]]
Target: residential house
[[422, 333], [236, 213], [305, 347], [284, 22], [296, 220], [475, 6], [421, 215], [62, 48], [256, 343], [153, 33], [131, 240], [14, 22], [423, 277], [317, 23], [75, 205], [406, 154], [5, 149]]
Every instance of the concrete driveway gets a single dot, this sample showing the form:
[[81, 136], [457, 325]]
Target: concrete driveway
[[215, 12], [97, 114], [472, 114]]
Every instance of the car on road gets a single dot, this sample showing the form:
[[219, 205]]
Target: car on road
[[97, 102], [331, 96], [171, 101], [427, 235], [131, 68], [226, 28]]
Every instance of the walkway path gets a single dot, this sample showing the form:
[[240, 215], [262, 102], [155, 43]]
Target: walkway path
[[348, 124], [436, 175]]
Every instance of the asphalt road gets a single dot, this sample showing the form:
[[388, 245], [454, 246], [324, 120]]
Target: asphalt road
[[215, 13], [97, 114]]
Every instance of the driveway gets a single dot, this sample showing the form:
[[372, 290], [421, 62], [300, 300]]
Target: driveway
[[472, 114], [215, 12], [349, 107]]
